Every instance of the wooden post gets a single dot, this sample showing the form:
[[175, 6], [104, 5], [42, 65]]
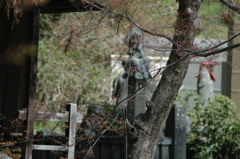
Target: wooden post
[[32, 85], [71, 129]]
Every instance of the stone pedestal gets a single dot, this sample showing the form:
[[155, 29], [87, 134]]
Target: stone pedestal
[[137, 104]]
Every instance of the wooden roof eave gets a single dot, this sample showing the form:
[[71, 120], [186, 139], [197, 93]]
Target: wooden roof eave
[[65, 6]]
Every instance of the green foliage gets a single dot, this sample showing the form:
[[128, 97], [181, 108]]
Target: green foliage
[[215, 129], [56, 128], [46, 24], [211, 15], [211, 9], [73, 66]]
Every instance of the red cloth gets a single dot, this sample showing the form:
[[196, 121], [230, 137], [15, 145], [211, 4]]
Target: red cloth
[[212, 64], [211, 75]]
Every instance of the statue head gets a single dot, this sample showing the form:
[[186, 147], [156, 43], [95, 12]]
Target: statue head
[[135, 39], [208, 64]]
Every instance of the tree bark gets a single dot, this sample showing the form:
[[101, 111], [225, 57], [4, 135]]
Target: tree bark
[[145, 131]]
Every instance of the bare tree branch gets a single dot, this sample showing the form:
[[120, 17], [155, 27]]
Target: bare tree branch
[[222, 43], [149, 32], [99, 22], [218, 51], [135, 23], [231, 6]]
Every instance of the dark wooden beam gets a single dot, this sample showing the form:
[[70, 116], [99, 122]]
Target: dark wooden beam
[[32, 80], [14, 50], [65, 6]]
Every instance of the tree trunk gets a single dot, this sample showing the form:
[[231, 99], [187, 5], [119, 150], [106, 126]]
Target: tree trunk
[[145, 131]]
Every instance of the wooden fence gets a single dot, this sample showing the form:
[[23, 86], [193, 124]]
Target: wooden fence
[[171, 146], [71, 117]]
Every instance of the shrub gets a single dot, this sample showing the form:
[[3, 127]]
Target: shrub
[[214, 130]]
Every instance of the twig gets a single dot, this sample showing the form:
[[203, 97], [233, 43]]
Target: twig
[[231, 6], [101, 134]]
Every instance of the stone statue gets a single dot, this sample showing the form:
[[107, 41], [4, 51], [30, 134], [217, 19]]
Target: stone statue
[[136, 71], [205, 81], [137, 64], [120, 90]]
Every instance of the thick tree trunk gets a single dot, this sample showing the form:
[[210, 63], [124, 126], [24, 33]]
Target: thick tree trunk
[[146, 128]]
